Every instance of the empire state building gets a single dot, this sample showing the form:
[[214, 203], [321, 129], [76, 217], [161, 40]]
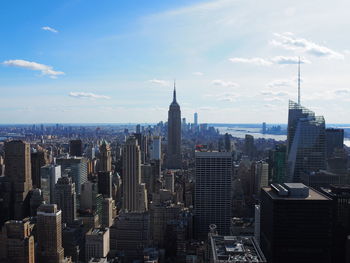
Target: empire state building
[[174, 160]]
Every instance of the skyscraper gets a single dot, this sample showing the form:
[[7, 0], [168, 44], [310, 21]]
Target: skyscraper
[[295, 224], [38, 159], [213, 192], [306, 147], [174, 160], [18, 242], [196, 119], [18, 171], [49, 232], [77, 169], [65, 198], [75, 148], [334, 140], [104, 182], [105, 157], [49, 175], [96, 243], [134, 198]]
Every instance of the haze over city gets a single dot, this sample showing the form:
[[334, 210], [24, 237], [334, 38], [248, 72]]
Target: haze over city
[[115, 62]]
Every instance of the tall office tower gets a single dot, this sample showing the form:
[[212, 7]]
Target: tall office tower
[[36, 200], [306, 149], [17, 242], [169, 181], [18, 171], [263, 128], [295, 224], [2, 166], [105, 182], [138, 128], [130, 235], [227, 141], [213, 192], [279, 156], [174, 160], [155, 148], [49, 233], [77, 169], [261, 176], [249, 147], [49, 176], [76, 148], [90, 199], [73, 237], [334, 141], [38, 159], [134, 196], [96, 243], [195, 117], [107, 212], [340, 194], [105, 157], [65, 198]]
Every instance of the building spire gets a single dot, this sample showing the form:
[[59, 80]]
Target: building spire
[[299, 81], [174, 96]]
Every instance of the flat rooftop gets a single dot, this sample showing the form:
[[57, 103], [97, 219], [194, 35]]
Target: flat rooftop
[[235, 249], [313, 195]]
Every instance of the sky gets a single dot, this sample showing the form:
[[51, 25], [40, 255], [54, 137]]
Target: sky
[[234, 61]]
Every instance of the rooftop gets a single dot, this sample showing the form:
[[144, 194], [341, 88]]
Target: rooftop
[[235, 249], [293, 191]]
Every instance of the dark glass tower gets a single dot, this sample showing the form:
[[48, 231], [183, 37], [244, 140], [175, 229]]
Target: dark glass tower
[[306, 146], [174, 135]]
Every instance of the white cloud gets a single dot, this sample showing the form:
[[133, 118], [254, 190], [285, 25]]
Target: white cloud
[[280, 60], [228, 96], [274, 93], [163, 83], [51, 29], [288, 41], [87, 95], [45, 70], [198, 73], [222, 83], [254, 61], [289, 60], [280, 83], [341, 92]]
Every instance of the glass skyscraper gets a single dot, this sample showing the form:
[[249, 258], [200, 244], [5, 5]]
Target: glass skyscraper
[[306, 146]]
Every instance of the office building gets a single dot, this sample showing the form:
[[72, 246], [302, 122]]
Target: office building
[[96, 243], [73, 237], [261, 176], [77, 169], [105, 183], [49, 175], [65, 198], [174, 159], [155, 148], [227, 142], [249, 147], [169, 180], [130, 235], [91, 200], [295, 224], [38, 160], [195, 119], [36, 200], [105, 157], [135, 196], [76, 148], [17, 242], [108, 211], [49, 233], [213, 192], [306, 149], [233, 249], [18, 173], [279, 156], [334, 141]]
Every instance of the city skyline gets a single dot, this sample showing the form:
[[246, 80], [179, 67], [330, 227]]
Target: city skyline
[[104, 62]]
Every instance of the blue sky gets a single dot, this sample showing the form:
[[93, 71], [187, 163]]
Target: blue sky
[[115, 61]]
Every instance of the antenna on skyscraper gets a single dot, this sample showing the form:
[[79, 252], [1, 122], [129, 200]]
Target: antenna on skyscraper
[[299, 81]]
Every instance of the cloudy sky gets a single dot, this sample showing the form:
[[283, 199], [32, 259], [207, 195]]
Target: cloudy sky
[[234, 61]]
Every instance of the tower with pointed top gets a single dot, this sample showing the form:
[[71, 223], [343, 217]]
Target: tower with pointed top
[[174, 160]]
